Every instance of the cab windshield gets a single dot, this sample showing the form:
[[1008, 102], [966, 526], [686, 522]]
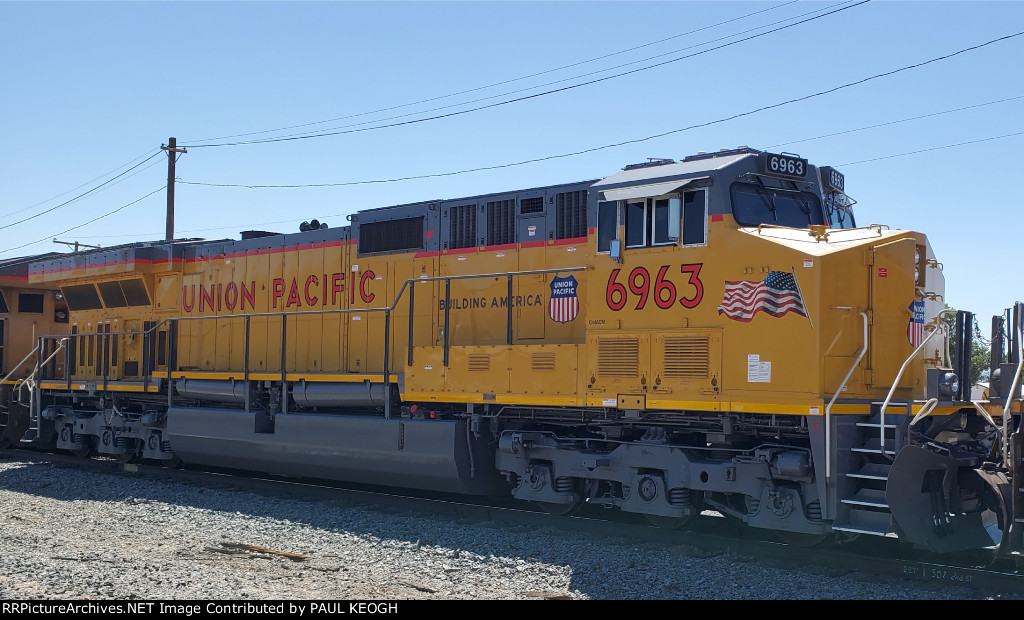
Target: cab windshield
[[755, 204], [840, 215]]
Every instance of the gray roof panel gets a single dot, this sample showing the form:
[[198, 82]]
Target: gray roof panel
[[666, 172]]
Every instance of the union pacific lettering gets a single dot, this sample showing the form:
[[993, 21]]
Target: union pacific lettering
[[311, 291], [219, 296]]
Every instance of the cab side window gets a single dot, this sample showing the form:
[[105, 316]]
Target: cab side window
[[636, 224], [607, 224], [30, 302], [654, 222], [695, 218], [649, 222]]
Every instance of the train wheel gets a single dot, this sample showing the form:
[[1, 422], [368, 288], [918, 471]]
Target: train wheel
[[131, 453], [562, 510], [695, 500], [171, 462], [84, 452], [846, 538], [800, 539], [671, 523]]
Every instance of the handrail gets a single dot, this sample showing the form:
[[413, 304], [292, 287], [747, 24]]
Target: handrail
[[33, 415], [18, 365], [387, 310], [153, 329], [842, 385], [983, 413], [926, 410], [1006, 412], [30, 380], [899, 375]]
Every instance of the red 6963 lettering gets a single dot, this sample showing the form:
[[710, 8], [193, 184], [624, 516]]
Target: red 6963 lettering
[[662, 291]]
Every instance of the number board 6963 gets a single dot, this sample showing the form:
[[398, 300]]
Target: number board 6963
[[786, 165]]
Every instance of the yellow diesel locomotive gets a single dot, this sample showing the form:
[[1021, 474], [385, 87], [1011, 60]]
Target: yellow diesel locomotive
[[716, 333], [27, 311]]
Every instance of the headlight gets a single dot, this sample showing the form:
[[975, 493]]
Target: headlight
[[949, 384], [917, 256], [917, 274]]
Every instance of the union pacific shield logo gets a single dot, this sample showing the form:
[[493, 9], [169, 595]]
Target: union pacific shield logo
[[915, 326], [564, 304]]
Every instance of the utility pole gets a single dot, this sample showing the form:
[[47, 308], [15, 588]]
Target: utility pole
[[171, 148], [77, 245]]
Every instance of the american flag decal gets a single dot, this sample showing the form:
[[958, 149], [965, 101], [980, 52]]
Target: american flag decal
[[915, 326], [776, 295], [564, 304]]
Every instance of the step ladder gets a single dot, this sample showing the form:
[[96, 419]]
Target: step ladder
[[5, 419], [864, 459], [8, 400]]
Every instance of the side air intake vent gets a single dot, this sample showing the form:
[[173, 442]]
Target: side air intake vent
[[543, 361], [686, 357], [479, 362], [618, 357]]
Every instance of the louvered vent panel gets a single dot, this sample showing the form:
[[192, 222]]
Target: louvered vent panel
[[686, 357], [571, 214], [463, 226], [619, 357], [479, 362], [543, 361], [390, 236], [501, 222]]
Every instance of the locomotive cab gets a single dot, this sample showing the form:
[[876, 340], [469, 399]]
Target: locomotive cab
[[739, 295]]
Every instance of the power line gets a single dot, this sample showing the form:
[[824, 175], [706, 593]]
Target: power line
[[526, 97], [522, 90], [512, 80], [41, 202], [531, 88], [82, 195], [96, 219], [626, 142], [904, 120], [935, 148]]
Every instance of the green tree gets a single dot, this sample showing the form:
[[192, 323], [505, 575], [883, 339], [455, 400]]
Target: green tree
[[980, 350]]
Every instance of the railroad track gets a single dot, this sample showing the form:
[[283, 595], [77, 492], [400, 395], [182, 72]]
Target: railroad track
[[710, 535]]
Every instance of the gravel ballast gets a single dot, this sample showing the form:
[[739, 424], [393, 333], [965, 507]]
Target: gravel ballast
[[84, 535]]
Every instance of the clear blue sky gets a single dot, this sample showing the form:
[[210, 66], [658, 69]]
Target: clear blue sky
[[90, 89]]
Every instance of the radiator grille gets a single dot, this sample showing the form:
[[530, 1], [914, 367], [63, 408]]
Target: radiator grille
[[391, 236], [463, 227], [618, 357], [543, 361], [479, 362], [501, 222], [686, 357], [571, 214]]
